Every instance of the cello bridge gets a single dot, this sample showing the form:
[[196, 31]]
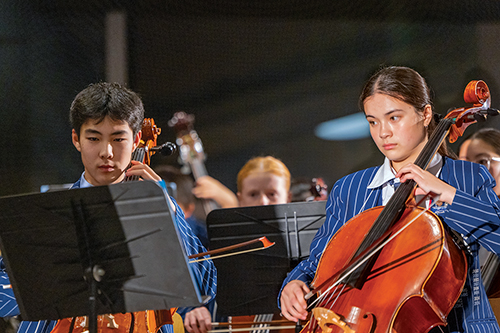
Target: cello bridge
[[326, 318]]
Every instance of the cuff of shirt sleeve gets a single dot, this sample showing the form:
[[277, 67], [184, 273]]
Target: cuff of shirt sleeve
[[458, 210], [452, 211]]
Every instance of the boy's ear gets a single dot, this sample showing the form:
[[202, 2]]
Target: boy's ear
[[76, 141], [137, 139]]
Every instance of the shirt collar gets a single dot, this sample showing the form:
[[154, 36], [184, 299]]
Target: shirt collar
[[386, 173], [83, 182]]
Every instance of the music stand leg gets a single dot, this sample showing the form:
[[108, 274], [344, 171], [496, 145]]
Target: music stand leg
[[92, 277]]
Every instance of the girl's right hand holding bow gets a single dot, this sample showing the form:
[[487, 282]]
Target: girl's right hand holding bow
[[293, 303]]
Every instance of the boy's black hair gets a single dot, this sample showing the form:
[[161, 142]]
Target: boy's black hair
[[103, 99]]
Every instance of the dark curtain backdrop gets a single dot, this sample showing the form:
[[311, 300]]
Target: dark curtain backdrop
[[259, 76]]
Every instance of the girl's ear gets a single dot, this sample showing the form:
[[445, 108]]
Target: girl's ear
[[427, 115]]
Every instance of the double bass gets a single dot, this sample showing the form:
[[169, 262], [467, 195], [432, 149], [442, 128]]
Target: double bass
[[319, 189], [376, 274], [193, 157], [191, 150]]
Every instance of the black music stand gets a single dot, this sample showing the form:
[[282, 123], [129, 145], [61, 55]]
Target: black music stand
[[249, 284], [97, 250]]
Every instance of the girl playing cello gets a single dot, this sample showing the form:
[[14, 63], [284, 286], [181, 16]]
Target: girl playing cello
[[397, 105]]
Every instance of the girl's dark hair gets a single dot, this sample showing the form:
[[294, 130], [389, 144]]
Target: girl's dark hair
[[103, 99], [408, 86], [490, 136]]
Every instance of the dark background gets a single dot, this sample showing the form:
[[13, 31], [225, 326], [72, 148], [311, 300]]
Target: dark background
[[259, 76]]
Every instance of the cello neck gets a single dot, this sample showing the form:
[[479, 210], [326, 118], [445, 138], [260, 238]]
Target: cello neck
[[395, 207], [396, 203], [436, 139], [198, 168], [137, 155], [145, 149]]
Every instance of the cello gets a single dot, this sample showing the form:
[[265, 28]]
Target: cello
[[375, 275], [154, 319], [140, 321]]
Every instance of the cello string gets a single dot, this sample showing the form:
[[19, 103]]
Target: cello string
[[246, 329], [310, 324], [395, 206], [401, 194], [378, 248], [335, 292], [339, 293], [372, 253], [137, 155], [329, 292]]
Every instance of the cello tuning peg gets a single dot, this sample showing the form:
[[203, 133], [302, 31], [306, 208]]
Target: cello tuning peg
[[437, 117], [479, 117], [166, 149], [493, 112]]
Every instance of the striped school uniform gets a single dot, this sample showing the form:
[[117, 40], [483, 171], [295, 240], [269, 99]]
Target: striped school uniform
[[474, 213]]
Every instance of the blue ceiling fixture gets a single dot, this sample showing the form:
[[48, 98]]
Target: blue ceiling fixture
[[351, 127]]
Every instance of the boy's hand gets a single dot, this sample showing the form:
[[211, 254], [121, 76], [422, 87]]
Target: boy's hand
[[198, 320], [145, 172], [142, 170]]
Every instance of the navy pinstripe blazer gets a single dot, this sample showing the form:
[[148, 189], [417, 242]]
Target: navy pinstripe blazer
[[204, 272], [474, 213]]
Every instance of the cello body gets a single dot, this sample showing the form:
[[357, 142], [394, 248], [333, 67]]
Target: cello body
[[386, 302], [137, 322]]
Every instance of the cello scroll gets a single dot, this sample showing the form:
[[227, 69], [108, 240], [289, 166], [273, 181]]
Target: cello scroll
[[476, 93], [148, 145]]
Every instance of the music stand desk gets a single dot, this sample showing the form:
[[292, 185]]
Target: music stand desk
[[249, 284], [119, 239]]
